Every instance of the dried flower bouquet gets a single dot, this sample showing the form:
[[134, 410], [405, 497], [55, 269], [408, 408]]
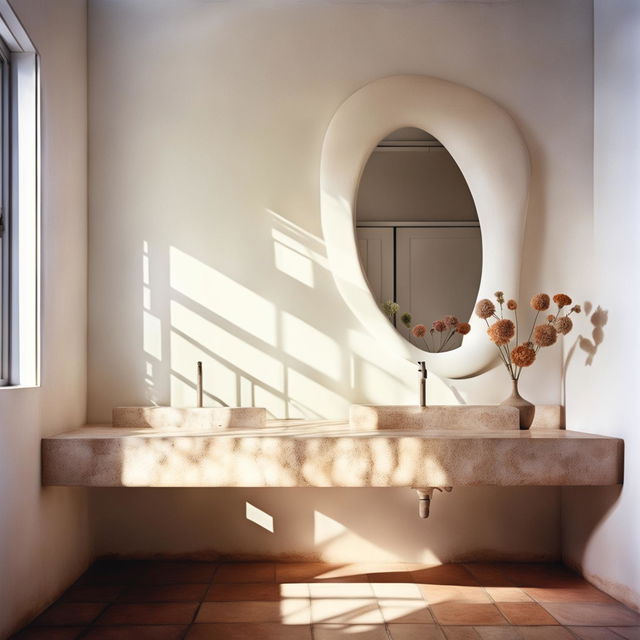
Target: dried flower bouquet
[[438, 336], [523, 354], [503, 330]]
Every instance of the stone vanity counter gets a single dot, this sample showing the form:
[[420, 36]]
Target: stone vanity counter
[[328, 454]]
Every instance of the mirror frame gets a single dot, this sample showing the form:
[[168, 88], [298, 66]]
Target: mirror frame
[[491, 153]]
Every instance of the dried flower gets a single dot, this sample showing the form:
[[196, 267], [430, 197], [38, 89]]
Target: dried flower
[[390, 308], [551, 317], [501, 331], [406, 319], [563, 325], [499, 297], [512, 305], [450, 321], [562, 300], [544, 335], [485, 308], [576, 308], [463, 328], [419, 331], [523, 355], [439, 326], [540, 302]]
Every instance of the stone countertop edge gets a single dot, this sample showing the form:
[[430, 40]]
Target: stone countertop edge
[[326, 454]]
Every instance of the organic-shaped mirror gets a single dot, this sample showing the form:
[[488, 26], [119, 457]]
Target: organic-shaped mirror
[[418, 235], [485, 143]]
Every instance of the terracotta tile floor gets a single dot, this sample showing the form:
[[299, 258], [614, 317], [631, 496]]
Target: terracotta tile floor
[[121, 600]]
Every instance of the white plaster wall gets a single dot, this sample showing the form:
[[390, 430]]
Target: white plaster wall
[[44, 533], [601, 528], [207, 121]]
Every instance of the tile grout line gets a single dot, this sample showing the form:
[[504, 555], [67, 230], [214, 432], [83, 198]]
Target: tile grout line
[[202, 600]]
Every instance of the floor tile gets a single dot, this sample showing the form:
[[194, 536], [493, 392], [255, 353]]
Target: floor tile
[[404, 590], [290, 611], [526, 613], [355, 631], [341, 590], [488, 574], [445, 574], [248, 631], [405, 611], [415, 632], [173, 573], [246, 572], [628, 633], [92, 593], [545, 633], [473, 614], [137, 632], [498, 633], [49, 633], [594, 633], [507, 594], [391, 576], [236, 592], [438, 594], [346, 611], [542, 575], [70, 614], [150, 613], [460, 633], [318, 572], [577, 593], [164, 593], [592, 614], [111, 572]]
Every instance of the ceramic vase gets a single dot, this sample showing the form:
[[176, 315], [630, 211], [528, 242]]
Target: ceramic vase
[[527, 409]]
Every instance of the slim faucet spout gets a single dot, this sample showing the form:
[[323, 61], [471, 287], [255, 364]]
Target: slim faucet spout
[[423, 383], [199, 385]]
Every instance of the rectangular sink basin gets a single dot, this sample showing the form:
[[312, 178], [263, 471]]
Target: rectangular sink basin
[[189, 418], [366, 417]]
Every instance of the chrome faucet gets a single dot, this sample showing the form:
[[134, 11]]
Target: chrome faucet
[[199, 385], [423, 383]]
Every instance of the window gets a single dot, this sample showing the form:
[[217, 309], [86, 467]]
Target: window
[[19, 204], [5, 145]]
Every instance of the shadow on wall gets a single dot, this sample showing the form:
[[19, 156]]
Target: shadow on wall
[[590, 346], [584, 508], [254, 352]]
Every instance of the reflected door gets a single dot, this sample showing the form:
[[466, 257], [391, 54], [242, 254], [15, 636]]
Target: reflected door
[[376, 251], [437, 273]]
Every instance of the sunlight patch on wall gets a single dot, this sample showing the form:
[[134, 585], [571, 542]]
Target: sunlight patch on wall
[[220, 382], [259, 517], [326, 528], [293, 264], [222, 295], [308, 345], [152, 335], [312, 397], [225, 346], [275, 404]]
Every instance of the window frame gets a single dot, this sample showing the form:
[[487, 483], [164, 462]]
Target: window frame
[[20, 197], [5, 214]]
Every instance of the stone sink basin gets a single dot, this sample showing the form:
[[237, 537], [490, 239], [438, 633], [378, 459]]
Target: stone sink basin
[[189, 418], [366, 417]]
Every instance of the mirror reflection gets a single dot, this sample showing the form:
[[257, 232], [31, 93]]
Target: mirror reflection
[[418, 233]]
